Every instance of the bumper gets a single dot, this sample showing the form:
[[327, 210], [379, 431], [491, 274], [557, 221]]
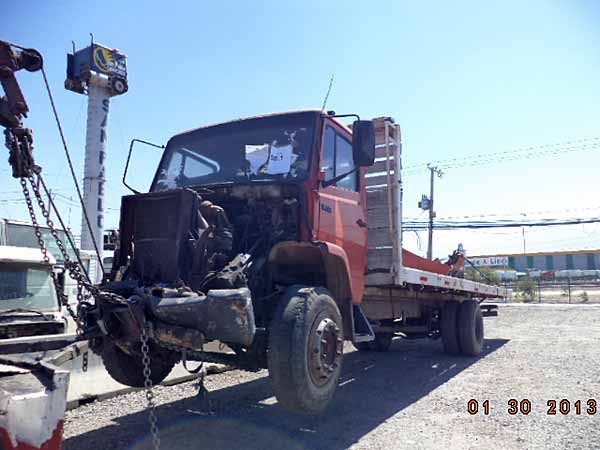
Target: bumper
[[223, 314]]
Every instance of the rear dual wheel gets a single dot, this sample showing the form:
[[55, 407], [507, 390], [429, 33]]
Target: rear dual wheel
[[461, 327]]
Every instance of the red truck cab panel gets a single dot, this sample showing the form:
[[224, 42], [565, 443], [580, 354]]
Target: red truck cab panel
[[339, 215]]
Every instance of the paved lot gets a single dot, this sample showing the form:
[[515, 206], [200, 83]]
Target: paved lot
[[413, 397]]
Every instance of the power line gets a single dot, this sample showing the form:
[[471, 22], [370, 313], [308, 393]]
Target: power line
[[574, 143], [411, 226], [560, 148], [529, 213]]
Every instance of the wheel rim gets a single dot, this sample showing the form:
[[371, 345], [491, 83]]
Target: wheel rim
[[325, 351]]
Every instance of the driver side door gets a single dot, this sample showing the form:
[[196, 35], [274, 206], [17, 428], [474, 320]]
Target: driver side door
[[341, 213]]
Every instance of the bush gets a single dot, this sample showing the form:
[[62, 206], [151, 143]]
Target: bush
[[526, 288], [584, 297], [485, 275]]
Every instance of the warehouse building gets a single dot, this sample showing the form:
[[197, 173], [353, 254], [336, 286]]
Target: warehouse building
[[523, 262]]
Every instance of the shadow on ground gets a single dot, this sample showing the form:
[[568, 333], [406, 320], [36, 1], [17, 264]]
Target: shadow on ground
[[373, 388]]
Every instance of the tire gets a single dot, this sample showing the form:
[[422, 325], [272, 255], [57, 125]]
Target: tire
[[119, 85], [470, 328], [381, 343], [128, 369], [305, 349], [449, 328]]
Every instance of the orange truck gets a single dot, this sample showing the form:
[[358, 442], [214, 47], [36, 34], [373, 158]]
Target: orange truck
[[281, 237]]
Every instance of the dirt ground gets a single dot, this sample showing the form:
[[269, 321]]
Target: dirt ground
[[412, 397]]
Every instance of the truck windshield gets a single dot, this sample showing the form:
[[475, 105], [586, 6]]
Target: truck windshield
[[268, 148], [24, 286], [23, 235]]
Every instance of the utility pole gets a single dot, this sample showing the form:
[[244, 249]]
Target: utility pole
[[523, 230], [427, 204]]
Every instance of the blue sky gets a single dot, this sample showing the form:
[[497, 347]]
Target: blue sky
[[461, 78]]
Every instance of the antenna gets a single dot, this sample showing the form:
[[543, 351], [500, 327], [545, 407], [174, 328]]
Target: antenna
[[327, 95]]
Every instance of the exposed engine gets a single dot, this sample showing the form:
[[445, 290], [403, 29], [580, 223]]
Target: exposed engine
[[195, 263]]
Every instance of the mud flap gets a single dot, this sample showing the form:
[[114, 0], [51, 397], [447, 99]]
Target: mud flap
[[361, 330]]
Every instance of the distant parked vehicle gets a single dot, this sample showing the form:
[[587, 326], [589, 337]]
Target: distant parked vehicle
[[29, 305], [508, 275]]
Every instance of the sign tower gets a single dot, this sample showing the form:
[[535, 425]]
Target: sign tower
[[100, 73]]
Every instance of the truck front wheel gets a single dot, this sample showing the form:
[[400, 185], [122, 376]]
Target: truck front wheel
[[305, 349]]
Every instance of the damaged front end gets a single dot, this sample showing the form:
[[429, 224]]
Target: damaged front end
[[184, 271]]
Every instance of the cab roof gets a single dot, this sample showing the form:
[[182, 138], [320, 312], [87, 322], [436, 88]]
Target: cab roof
[[27, 255], [316, 112]]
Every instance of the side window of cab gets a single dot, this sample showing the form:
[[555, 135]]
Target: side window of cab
[[338, 159], [328, 161], [344, 162]]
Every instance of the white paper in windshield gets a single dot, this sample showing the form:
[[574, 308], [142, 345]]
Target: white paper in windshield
[[168, 180], [257, 156], [280, 160]]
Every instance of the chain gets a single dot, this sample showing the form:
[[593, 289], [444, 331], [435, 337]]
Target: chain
[[84, 362], [73, 268], [148, 386]]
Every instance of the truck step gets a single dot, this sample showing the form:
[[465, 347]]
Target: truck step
[[362, 328]]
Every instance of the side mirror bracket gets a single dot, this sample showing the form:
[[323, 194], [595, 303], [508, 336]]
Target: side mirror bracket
[[133, 141]]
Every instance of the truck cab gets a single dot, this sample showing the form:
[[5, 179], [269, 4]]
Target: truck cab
[[305, 152], [245, 220], [256, 233]]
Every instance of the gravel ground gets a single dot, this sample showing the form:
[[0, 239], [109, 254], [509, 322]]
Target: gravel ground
[[413, 397]]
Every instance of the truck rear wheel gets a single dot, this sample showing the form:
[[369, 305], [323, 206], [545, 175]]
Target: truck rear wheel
[[381, 343], [305, 351], [449, 328], [470, 328], [128, 369]]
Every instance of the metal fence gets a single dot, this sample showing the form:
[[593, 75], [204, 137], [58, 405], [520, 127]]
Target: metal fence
[[556, 291]]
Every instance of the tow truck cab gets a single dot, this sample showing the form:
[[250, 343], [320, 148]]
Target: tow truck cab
[[28, 302]]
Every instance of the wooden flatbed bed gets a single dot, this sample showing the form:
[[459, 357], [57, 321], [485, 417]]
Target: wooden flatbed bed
[[405, 294]]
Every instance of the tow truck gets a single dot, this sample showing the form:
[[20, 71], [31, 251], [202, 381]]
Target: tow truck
[[279, 236]]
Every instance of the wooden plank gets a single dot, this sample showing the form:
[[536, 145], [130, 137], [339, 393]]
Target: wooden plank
[[378, 308], [380, 151], [381, 166], [380, 258], [378, 198], [378, 218], [379, 237], [380, 137], [380, 180], [379, 279]]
